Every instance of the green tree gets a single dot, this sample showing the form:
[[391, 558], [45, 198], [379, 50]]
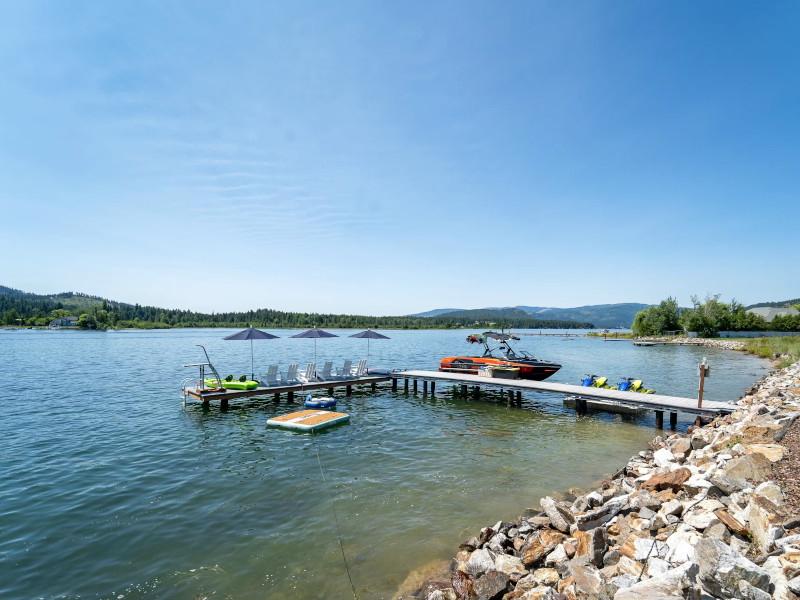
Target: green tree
[[655, 320], [87, 321], [10, 317]]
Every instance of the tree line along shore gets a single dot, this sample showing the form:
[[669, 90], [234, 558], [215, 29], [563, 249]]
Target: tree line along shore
[[102, 314]]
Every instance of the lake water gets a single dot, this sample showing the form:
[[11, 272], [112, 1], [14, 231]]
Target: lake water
[[110, 489]]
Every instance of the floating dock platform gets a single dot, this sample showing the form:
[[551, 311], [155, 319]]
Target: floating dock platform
[[223, 396], [308, 420]]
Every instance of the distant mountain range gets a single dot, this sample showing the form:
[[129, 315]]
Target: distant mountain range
[[602, 315]]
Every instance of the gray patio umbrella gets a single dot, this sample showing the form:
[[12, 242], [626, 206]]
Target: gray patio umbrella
[[251, 334], [315, 333], [370, 335]]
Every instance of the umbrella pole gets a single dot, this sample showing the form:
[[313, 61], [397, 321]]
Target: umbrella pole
[[252, 368]]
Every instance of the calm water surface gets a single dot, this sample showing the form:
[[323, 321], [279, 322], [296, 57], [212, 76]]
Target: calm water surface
[[109, 489]]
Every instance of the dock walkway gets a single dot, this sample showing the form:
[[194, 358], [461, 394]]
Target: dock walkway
[[656, 402]]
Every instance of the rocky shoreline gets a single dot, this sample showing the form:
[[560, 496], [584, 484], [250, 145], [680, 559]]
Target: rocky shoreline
[[707, 342], [701, 515]]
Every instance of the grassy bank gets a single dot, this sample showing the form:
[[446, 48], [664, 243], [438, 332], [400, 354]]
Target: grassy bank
[[783, 350]]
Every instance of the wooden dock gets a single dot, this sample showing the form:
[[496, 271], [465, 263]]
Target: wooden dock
[[226, 395], [656, 402]]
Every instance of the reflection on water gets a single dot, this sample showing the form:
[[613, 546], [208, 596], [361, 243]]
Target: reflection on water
[[111, 489]]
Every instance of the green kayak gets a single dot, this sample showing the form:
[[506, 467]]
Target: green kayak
[[234, 385]]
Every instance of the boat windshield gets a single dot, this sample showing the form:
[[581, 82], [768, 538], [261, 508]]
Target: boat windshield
[[507, 352]]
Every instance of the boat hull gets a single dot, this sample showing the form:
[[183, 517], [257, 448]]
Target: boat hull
[[534, 370]]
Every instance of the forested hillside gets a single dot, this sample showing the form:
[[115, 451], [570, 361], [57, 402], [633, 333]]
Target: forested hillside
[[22, 308]]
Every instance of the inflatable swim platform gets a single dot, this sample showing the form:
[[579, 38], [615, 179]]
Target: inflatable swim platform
[[308, 420]]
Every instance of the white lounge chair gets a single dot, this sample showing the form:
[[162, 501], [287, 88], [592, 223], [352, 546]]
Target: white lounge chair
[[346, 370], [291, 375], [271, 377], [361, 369], [309, 375], [326, 371]]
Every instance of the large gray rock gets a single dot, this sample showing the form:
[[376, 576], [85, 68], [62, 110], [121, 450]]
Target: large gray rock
[[593, 544], [774, 569], [490, 586], [728, 485], [588, 579], [748, 592], [676, 583], [647, 547], [766, 523], [603, 514], [480, 562], [511, 566], [559, 515], [751, 466], [663, 457], [721, 569], [701, 515]]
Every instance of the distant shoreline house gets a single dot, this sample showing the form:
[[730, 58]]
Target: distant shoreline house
[[64, 322], [769, 313]]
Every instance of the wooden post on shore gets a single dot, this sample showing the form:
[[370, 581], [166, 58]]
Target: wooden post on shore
[[703, 370], [673, 421], [659, 419]]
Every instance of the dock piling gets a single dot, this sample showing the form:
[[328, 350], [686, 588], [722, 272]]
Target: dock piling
[[433, 387], [463, 390], [425, 387], [659, 419], [673, 421], [394, 384], [405, 385], [349, 390]]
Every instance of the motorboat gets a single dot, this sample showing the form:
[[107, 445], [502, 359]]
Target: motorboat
[[499, 359]]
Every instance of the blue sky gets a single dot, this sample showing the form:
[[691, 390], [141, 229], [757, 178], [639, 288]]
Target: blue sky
[[387, 158]]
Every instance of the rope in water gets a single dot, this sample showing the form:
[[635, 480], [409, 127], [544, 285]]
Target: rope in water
[[335, 518]]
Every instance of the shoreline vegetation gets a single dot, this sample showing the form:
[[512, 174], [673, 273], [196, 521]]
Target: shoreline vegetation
[[707, 318]]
